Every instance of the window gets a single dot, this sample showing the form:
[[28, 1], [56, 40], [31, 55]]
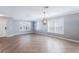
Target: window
[[56, 26]]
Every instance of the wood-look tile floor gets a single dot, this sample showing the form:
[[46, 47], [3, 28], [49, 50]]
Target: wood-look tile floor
[[33, 43]]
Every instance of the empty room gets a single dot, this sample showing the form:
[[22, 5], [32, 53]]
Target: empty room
[[39, 29]]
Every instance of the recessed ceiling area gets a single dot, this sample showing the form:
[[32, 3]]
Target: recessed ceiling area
[[31, 13]]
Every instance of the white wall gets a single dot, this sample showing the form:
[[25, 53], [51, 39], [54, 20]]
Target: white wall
[[14, 27], [2, 26], [19, 27]]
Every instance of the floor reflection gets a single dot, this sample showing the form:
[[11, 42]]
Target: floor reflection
[[33, 43]]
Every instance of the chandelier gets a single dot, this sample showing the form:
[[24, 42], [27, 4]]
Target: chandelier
[[44, 20]]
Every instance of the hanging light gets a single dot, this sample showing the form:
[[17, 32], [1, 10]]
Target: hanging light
[[45, 18]]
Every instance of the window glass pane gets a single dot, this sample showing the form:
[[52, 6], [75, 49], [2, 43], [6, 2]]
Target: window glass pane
[[56, 26]]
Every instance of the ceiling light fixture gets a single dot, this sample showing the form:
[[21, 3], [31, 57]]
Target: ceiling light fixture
[[45, 18]]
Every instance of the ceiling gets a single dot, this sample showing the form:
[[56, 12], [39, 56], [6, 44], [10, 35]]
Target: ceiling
[[31, 13]]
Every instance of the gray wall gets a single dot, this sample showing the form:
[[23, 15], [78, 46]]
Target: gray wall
[[71, 26], [39, 26]]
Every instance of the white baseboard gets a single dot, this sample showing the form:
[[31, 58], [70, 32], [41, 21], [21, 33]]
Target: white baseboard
[[2, 35], [15, 34], [60, 37], [42, 34]]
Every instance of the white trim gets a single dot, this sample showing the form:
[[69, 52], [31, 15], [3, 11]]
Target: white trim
[[15, 34], [40, 33], [2, 35], [18, 34], [61, 38]]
